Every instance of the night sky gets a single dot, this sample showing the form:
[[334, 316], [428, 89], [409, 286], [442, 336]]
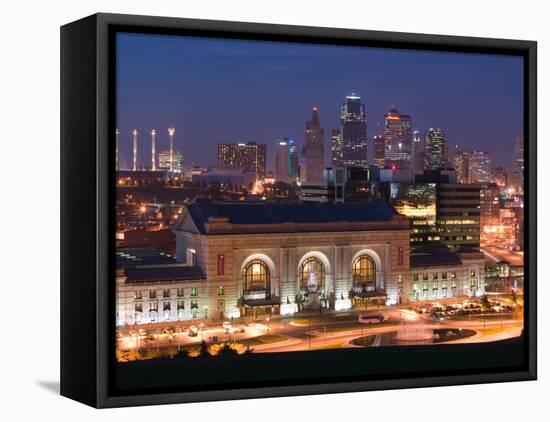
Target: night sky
[[216, 90]]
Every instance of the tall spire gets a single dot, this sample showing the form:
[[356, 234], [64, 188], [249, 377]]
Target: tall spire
[[315, 115]]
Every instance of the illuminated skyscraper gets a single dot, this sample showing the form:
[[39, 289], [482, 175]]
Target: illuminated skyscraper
[[250, 156], [417, 155], [379, 151], [315, 148], [398, 137], [459, 161], [499, 176], [354, 132], [336, 147], [286, 161], [518, 165], [436, 149], [479, 167]]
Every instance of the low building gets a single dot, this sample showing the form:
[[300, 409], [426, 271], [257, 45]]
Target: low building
[[252, 259]]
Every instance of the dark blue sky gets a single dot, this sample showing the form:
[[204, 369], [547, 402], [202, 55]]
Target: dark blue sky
[[216, 90]]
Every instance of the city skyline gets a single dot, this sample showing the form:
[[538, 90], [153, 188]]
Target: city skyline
[[485, 112]]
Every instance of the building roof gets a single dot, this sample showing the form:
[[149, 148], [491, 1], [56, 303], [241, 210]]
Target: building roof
[[433, 256], [271, 213], [177, 272], [129, 257]]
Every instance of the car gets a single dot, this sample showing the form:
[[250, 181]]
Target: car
[[372, 318], [226, 326], [238, 330], [193, 331]]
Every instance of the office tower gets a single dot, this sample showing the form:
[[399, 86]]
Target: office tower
[[436, 149], [171, 132], [302, 165], [336, 147], [286, 161], [354, 132], [153, 149], [315, 148], [417, 154], [171, 161], [459, 161], [379, 151], [250, 156], [398, 138], [117, 135], [518, 165], [479, 167], [134, 134], [458, 212], [489, 205], [499, 176]]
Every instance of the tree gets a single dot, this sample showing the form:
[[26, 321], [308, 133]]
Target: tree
[[204, 350], [485, 303], [182, 354], [248, 349], [227, 350]]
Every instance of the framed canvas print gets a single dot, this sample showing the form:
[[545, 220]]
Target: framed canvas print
[[253, 210]]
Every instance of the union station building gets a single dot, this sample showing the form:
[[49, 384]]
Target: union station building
[[253, 259]]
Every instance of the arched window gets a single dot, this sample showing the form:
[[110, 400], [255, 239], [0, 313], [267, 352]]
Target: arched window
[[256, 280], [312, 275], [364, 274]]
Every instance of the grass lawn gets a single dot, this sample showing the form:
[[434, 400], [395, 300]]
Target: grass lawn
[[486, 317], [358, 327], [323, 318], [337, 345], [265, 339]]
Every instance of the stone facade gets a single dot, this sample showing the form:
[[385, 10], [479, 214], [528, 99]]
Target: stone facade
[[286, 268]]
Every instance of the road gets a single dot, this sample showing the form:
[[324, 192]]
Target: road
[[331, 331], [515, 259]]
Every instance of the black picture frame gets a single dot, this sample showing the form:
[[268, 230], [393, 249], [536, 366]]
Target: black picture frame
[[87, 222]]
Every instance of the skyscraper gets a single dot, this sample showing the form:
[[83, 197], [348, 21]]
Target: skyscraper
[[398, 138], [436, 149], [417, 155], [354, 132], [379, 151], [250, 156], [286, 161], [479, 167], [518, 165], [336, 147], [315, 148], [459, 161], [499, 177]]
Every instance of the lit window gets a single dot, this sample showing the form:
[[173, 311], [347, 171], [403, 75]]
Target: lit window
[[194, 291], [364, 273], [166, 306], [256, 279], [181, 304], [221, 290], [453, 274], [137, 294], [194, 304], [472, 273], [153, 306], [180, 292], [312, 275], [221, 265], [400, 279]]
